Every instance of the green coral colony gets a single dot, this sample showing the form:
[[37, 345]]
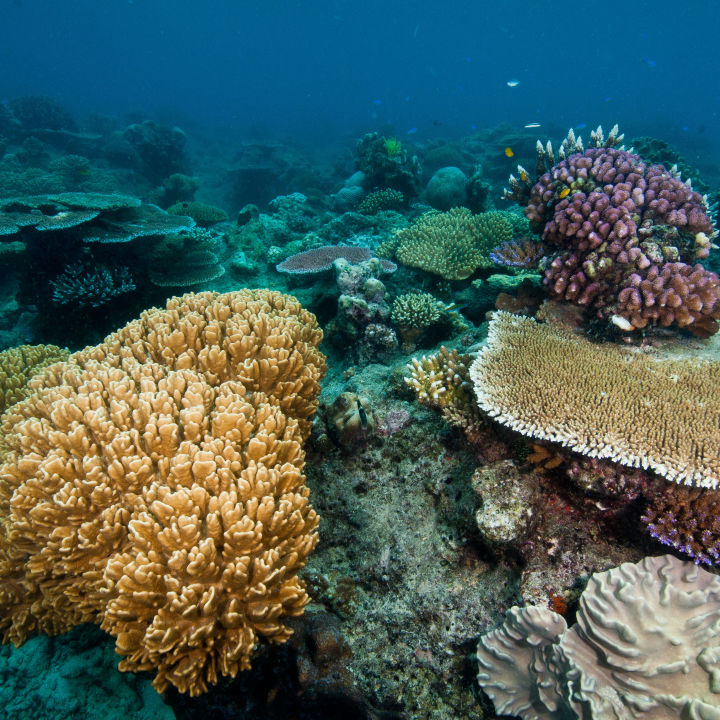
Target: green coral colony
[[513, 417]]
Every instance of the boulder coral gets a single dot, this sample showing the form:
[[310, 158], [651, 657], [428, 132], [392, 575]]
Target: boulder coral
[[153, 484]]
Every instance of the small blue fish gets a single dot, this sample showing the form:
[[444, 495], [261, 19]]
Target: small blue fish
[[377, 102], [412, 130], [468, 59], [513, 83], [533, 125], [582, 126], [649, 62]]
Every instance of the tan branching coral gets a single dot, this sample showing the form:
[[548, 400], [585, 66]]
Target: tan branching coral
[[451, 244], [442, 382], [153, 485], [19, 364], [601, 400], [441, 243]]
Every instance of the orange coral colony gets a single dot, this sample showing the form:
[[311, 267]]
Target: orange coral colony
[[154, 485]]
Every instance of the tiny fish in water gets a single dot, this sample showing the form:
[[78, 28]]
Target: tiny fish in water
[[532, 125], [513, 83], [564, 193], [509, 152], [523, 176]]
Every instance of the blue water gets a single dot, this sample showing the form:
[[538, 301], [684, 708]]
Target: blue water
[[315, 70]]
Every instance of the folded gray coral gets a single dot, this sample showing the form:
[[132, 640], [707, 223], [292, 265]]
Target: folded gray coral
[[94, 217], [646, 645]]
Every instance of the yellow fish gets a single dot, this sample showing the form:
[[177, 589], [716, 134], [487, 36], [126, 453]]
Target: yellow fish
[[509, 152], [564, 193], [524, 176]]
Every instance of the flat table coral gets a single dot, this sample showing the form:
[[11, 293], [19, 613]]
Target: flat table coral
[[602, 401], [153, 485]]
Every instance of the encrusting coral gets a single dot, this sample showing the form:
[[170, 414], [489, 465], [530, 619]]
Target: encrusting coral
[[153, 485], [602, 401], [646, 645]]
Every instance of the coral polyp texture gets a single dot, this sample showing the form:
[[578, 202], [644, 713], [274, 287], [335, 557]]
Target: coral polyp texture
[[625, 238], [687, 519], [603, 401], [19, 364], [153, 485], [455, 243], [646, 645]]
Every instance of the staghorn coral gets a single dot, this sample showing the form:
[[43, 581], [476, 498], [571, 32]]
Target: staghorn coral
[[19, 364], [444, 244], [86, 285], [416, 310], [153, 485], [646, 645], [451, 244], [602, 401]]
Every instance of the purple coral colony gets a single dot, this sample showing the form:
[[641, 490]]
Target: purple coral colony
[[441, 505]]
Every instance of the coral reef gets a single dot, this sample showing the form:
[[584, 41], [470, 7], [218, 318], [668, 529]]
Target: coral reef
[[602, 401], [161, 149], [362, 303], [74, 677], [37, 112], [153, 485], [442, 382], [185, 259], [386, 163], [415, 312], [645, 645], [624, 236]]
